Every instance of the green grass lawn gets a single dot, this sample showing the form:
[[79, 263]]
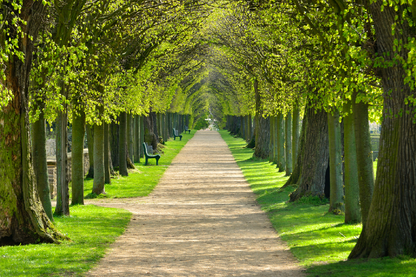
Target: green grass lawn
[[320, 241], [92, 229], [142, 180]]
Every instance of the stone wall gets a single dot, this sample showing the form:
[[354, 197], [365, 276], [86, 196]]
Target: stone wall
[[51, 161]]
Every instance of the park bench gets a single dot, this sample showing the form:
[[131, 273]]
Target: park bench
[[187, 130], [176, 134], [148, 153]]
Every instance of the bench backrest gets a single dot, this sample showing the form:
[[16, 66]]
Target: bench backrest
[[175, 132], [148, 148]]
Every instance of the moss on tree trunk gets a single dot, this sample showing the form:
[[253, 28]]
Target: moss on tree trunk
[[99, 173], [78, 132], [336, 201], [22, 217], [40, 166], [123, 145], [313, 157], [352, 198]]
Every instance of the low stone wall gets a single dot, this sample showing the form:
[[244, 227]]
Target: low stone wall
[[51, 161]]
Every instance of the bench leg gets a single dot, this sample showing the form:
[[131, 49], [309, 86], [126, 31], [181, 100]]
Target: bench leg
[[146, 161], [157, 160]]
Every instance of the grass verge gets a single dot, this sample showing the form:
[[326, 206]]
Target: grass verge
[[142, 180], [92, 229], [320, 241]]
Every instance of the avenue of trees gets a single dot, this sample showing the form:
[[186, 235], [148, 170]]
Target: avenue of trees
[[299, 80]]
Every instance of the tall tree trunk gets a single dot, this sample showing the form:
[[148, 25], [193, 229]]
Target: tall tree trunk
[[390, 229], [78, 132], [123, 145], [107, 155], [90, 143], [130, 136], [272, 140], [288, 139], [62, 188], [141, 135], [40, 166], [99, 171], [352, 196], [281, 142], [262, 127], [136, 139], [295, 135], [22, 217], [336, 202], [364, 156], [114, 144], [313, 156]]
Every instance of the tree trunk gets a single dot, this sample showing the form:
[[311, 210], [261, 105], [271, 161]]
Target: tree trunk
[[313, 156], [62, 188], [288, 139], [141, 136], [99, 171], [22, 217], [78, 132], [390, 229], [272, 140], [150, 130], [352, 198], [130, 134], [295, 135], [40, 166], [123, 145], [114, 144], [90, 144], [136, 153], [281, 142], [336, 202], [297, 168], [364, 156], [107, 155]]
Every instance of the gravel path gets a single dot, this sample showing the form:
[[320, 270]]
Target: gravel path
[[201, 220]]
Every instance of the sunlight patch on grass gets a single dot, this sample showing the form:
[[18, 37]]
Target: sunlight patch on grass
[[142, 180], [92, 229], [320, 241]]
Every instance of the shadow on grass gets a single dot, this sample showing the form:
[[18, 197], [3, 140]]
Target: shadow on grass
[[319, 240]]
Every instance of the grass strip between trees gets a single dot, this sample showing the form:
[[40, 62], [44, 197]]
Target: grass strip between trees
[[91, 228], [320, 241], [142, 180]]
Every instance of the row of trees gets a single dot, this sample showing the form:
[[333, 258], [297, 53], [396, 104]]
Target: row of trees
[[331, 62], [108, 68]]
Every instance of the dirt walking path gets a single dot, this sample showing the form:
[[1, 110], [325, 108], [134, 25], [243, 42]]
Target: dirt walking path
[[201, 220]]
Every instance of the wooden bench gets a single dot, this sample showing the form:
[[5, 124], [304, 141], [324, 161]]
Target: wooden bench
[[148, 155], [187, 130], [176, 134]]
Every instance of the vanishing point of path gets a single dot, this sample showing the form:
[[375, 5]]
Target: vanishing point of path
[[201, 220]]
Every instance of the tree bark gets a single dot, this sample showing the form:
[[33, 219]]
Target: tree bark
[[313, 156], [390, 229], [295, 135], [123, 145], [107, 155], [130, 134], [78, 132], [114, 144], [62, 188], [136, 153], [40, 166], [352, 196], [336, 202], [364, 156], [288, 139], [90, 143], [141, 136], [22, 217], [99, 171], [281, 142]]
